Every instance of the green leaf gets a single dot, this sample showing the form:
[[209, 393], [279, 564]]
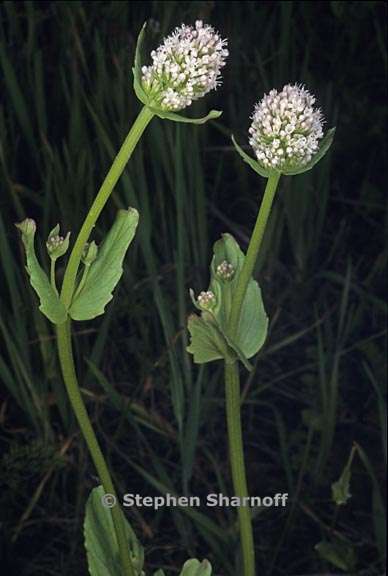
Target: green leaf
[[105, 272], [253, 325], [159, 573], [50, 304], [340, 489], [137, 86], [207, 341], [165, 114], [254, 164], [213, 342], [339, 554], [100, 539], [196, 568], [324, 146]]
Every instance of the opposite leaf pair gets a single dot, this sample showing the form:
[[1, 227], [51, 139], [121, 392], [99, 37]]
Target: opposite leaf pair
[[100, 276], [211, 337]]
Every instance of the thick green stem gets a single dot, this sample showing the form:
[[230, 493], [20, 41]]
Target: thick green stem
[[100, 200], [77, 403], [232, 380], [64, 331], [236, 452], [253, 250]]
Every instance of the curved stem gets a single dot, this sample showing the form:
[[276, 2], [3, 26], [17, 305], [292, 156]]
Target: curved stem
[[253, 250], [236, 451], [100, 200], [64, 331], [77, 403]]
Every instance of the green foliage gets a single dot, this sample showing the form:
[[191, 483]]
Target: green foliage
[[50, 305], [340, 554], [210, 333], [66, 106], [196, 568], [341, 488], [192, 568], [100, 539], [105, 271]]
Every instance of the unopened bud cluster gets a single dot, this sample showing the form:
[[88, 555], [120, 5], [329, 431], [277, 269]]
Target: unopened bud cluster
[[185, 67], [27, 227], [89, 253], [56, 244], [207, 300], [225, 270], [286, 128]]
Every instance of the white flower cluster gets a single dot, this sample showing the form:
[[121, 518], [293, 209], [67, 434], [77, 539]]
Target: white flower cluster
[[286, 129], [185, 67], [206, 300], [225, 270]]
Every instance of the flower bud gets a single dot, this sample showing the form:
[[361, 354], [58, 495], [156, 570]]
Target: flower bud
[[225, 270], [57, 245], [286, 128], [89, 253], [27, 227], [206, 300], [185, 67]]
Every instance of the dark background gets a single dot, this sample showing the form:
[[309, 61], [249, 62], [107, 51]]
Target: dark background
[[66, 103]]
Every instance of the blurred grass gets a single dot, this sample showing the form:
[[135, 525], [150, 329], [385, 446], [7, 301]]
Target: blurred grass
[[318, 385]]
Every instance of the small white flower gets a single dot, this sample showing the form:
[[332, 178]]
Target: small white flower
[[286, 128], [185, 67], [206, 300]]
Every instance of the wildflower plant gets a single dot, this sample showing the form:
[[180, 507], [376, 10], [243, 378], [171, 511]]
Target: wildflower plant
[[185, 68], [287, 138]]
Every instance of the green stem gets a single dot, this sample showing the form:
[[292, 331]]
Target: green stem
[[77, 403], [232, 380], [52, 275], [236, 451], [64, 331], [253, 250], [100, 200]]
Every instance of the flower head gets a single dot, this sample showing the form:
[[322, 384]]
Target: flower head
[[225, 270], [286, 128], [185, 67], [206, 300]]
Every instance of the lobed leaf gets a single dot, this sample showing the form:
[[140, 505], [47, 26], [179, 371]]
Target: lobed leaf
[[50, 304], [106, 270]]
